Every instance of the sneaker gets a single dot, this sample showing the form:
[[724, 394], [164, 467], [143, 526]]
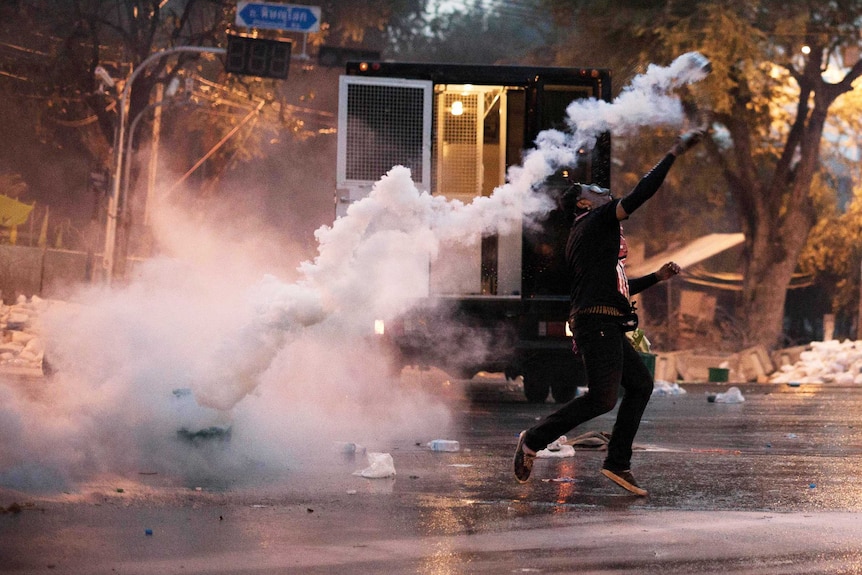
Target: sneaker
[[523, 460], [626, 480]]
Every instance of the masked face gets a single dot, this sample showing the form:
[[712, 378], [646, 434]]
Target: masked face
[[593, 196]]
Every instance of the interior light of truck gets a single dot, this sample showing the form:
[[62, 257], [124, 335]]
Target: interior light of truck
[[457, 108], [379, 328]]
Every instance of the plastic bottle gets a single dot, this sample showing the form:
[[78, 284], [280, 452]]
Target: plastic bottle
[[444, 445]]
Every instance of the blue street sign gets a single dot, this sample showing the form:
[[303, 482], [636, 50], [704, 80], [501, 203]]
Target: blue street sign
[[287, 17]]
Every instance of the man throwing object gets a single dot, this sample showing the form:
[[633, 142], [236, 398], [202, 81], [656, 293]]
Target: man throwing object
[[600, 316]]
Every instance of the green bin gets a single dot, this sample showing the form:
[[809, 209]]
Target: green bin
[[649, 361], [718, 374]]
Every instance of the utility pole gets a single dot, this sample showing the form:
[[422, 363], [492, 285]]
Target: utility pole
[[114, 201], [245, 55]]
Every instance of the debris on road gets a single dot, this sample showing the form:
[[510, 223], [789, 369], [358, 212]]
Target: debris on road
[[826, 362], [664, 388], [557, 448], [594, 440], [380, 466], [22, 352], [444, 445], [732, 395]]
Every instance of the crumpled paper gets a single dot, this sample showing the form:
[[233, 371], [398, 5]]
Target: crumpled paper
[[664, 388], [380, 465], [557, 448], [732, 395]]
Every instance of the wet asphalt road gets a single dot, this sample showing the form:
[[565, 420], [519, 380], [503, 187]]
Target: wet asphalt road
[[771, 485]]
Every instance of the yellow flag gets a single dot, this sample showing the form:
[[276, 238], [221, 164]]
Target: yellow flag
[[13, 212]]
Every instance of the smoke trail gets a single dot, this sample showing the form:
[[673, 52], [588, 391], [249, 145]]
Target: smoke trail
[[648, 100], [284, 363]]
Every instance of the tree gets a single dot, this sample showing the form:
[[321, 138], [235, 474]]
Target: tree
[[772, 101], [52, 49], [776, 133], [472, 33]]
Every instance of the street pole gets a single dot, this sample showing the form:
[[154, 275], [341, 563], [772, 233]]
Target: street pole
[[119, 157], [130, 142], [154, 151]]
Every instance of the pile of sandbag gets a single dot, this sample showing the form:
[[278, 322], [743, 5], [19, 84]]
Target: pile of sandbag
[[826, 362], [21, 348]]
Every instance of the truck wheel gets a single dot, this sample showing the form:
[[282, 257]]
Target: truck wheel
[[536, 386]]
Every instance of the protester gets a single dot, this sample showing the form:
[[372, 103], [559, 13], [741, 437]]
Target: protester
[[601, 314]]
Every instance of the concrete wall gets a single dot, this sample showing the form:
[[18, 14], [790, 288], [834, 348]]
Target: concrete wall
[[33, 271]]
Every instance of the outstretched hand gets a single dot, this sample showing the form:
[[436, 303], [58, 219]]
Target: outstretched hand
[[687, 141], [667, 271]]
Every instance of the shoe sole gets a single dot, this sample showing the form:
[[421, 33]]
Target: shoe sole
[[624, 484], [520, 448]]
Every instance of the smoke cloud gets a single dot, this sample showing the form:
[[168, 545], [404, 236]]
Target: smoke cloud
[[218, 361]]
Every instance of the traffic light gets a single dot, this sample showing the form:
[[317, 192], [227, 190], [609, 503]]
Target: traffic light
[[257, 57]]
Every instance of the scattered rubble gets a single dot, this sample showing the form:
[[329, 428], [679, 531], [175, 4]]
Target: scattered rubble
[[751, 364], [832, 361], [22, 352], [825, 362]]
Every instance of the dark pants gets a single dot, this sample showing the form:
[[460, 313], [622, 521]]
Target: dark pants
[[610, 362]]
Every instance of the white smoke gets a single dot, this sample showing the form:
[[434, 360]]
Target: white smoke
[[648, 100], [285, 361]]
